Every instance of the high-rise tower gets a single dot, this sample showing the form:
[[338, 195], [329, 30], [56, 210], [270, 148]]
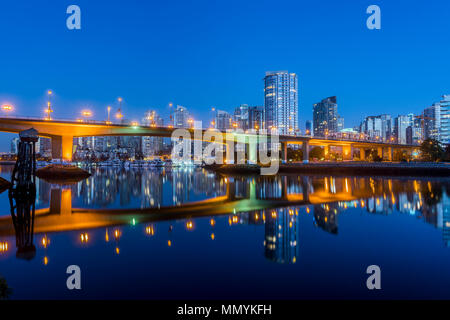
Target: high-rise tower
[[281, 102]]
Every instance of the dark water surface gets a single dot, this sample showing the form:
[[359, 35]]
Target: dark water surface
[[189, 233]]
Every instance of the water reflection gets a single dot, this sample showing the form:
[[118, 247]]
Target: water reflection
[[112, 187], [22, 214], [111, 198]]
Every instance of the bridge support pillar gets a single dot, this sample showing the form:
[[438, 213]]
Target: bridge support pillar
[[283, 152], [362, 154], [230, 148], [326, 152], [62, 147], [380, 152], [305, 150], [347, 152], [252, 150], [390, 154]]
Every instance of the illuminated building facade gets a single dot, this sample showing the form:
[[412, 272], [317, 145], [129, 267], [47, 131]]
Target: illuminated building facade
[[281, 102], [325, 117]]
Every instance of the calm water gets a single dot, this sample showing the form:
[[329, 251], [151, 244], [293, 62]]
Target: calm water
[[179, 234]]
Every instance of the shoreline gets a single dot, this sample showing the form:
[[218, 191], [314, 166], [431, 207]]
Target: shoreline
[[346, 168]]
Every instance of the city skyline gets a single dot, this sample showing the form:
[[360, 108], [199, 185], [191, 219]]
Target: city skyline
[[403, 129], [91, 67]]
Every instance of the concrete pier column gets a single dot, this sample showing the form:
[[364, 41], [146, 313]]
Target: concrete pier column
[[252, 157], [67, 148], [62, 147], [380, 152], [389, 152], [305, 150], [362, 154], [347, 152], [283, 152], [57, 147], [326, 152], [230, 147]]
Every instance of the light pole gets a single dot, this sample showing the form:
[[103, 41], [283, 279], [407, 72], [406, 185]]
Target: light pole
[[119, 114], [49, 110], [172, 120], [86, 114], [109, 112], [6, 108]]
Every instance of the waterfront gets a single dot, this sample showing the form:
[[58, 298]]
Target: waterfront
[[283, 237]]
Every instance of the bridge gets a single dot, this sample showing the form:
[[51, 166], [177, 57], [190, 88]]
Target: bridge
[[62, 133]]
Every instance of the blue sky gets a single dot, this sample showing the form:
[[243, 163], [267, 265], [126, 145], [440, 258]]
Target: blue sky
[[204, 53]]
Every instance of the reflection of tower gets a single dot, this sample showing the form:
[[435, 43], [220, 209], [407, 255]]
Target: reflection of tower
[[281, 236], [181, 184], [22, 214], [22, 194], [325, 217]]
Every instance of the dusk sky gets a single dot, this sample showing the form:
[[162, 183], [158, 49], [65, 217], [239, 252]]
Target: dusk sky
[[208, 53]]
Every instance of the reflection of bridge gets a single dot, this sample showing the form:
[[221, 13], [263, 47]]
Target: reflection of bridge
[[60, 216], [63, 132]]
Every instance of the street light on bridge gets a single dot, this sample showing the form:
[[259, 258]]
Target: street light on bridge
[[86, 114], [119, 114], [109, 112], [6, 108], [49, 110]]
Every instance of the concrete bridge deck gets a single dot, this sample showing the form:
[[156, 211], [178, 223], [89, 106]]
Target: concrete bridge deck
[[62, 133]]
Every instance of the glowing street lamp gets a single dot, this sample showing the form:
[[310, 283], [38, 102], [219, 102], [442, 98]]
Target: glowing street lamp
[[7, 108], [86, 114], [49, 110], [119, 114], [109, 112]]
